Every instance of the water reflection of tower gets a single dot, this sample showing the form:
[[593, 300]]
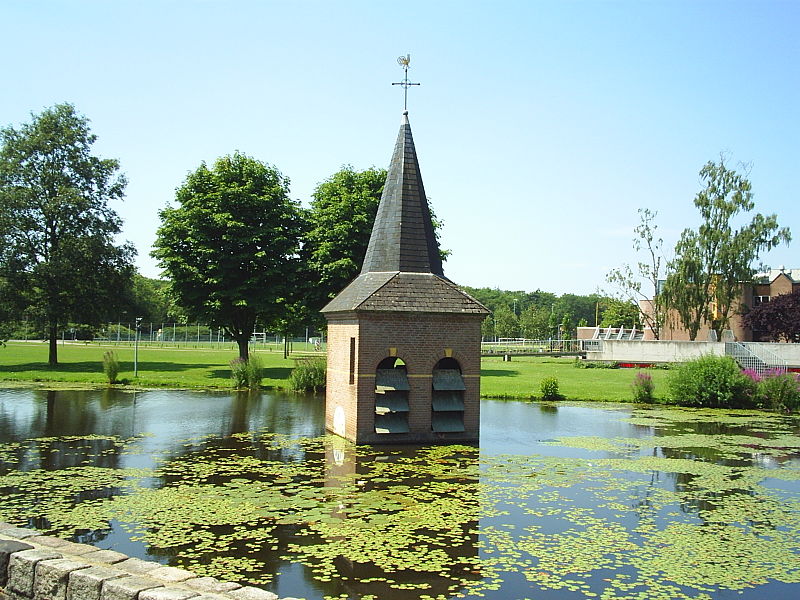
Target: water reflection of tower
[[434, 488]]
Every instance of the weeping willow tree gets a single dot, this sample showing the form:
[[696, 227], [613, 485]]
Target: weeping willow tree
[[704, 285]]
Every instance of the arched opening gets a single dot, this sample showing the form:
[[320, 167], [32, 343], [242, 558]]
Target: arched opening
[[447, 402], [391, 396]]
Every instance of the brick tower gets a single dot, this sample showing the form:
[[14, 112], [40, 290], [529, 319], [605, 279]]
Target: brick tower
[[403, 340]]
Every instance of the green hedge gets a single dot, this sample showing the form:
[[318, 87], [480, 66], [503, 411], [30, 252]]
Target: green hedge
[[713, 382]]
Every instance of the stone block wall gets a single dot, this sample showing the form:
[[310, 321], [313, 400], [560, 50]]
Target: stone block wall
[[657, 351], [39, 567]]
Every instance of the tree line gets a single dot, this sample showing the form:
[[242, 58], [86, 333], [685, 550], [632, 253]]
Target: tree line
[[541, 315], [236, 250]]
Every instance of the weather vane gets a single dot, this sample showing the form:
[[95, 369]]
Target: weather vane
[[403, 61]]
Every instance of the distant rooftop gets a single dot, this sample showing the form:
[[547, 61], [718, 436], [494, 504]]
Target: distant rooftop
[[770, 275]]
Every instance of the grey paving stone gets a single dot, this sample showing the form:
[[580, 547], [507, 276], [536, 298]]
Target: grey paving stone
[[7, 548], [19, 533], [211, 585], [50, 541], [64, 546], [170, 574], [137, 566], [105, 556], [167, 594], [52, 577], [87, 583], [252, 593], [126, 588], [21, 569]]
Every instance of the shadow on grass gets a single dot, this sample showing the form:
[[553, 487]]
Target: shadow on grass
[[267, 372], [97, 367], [498, 373]]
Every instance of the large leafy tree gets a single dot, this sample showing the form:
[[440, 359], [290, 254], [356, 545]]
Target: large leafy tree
[[534, 323], [340, 222], [339, 226], [149, 299], [711, 264], [619, 313], [506, 323], [230, 247], [576, 308], [629, 280], [779, 318], [58, 259]]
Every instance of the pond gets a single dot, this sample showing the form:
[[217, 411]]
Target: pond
[[559, 501]]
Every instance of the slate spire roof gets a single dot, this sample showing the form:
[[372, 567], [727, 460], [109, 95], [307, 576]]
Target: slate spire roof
[[402, 237], [402, 270]]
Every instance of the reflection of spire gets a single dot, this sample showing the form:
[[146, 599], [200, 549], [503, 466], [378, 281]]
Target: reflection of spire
[[398, 479]]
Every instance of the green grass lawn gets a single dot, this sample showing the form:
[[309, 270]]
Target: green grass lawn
[[158, 367], [521, 377], [203, 368]]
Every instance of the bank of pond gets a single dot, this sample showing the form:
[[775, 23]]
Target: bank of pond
[[559, 500]]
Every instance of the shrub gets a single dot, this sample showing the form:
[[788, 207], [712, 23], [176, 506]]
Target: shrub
[[712, 381], [111, 366], [595, 364], [246, 373], [752, 374], [308, 375], [549, 389], [643, 388], [239, 373], [254, 372], [778, 391]]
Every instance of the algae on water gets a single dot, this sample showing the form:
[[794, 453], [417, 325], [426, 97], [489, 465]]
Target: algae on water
[[672, 512]]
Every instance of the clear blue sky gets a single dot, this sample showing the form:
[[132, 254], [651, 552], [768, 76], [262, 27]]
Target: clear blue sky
[[541, 127]]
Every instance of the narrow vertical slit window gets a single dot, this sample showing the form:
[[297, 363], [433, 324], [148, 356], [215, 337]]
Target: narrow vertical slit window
[[352, 360]]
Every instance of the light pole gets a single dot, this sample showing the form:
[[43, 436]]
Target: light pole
[[136, 348]]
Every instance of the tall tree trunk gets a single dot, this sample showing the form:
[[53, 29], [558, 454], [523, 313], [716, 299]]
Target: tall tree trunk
[[53, 355], [244, 351]]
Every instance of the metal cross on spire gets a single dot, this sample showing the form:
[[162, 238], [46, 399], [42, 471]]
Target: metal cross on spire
[[403, 62]]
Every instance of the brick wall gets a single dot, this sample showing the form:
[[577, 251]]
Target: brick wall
[[38, 567], [338, 387], [420, 340]]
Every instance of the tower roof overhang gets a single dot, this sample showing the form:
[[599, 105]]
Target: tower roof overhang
[[404, 292]]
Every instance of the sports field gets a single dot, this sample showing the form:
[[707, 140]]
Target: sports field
[[81, 364]]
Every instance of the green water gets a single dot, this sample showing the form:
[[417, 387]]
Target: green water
[[559, 501]]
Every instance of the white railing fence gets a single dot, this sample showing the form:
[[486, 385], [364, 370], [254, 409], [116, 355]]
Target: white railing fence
[[520, 346], [754, 356]]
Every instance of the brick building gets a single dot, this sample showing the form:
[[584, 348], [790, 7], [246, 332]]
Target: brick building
[[764, 287], [403, 340]]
